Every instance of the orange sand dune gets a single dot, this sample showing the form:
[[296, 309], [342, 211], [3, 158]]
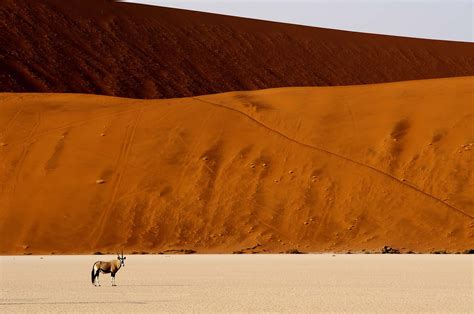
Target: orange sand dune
[[318, 169]]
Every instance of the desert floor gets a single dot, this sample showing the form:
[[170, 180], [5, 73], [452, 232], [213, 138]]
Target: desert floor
[[241, 283]]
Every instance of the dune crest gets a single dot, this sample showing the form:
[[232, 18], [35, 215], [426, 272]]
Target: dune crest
[[314, 169]]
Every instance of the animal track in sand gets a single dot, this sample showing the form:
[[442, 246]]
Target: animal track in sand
[[400, 128]]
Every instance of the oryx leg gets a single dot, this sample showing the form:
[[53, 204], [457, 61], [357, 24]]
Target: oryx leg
[[97, 278], [113, 279]]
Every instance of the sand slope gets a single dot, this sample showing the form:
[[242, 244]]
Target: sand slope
[[120, 49], [319, 169]]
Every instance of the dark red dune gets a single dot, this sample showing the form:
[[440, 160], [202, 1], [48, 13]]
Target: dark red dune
[[129, 50]]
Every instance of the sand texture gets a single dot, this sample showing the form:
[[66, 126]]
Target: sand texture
[[243, 283], [138, 51], [317, 169]]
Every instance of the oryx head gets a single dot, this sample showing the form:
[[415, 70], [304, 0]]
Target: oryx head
[[121, 258]]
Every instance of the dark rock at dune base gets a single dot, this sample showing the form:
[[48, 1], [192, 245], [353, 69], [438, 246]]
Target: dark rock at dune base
[[293, 251], [179, 251], [389, 250]]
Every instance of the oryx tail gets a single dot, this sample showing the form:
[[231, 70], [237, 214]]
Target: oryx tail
[[92, 275]]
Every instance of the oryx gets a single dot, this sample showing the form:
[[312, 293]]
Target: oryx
[[111, 267]]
